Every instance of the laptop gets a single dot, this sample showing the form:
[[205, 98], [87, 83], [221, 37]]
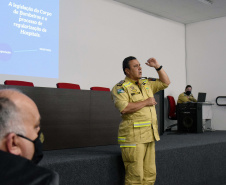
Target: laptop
[[201, 97]]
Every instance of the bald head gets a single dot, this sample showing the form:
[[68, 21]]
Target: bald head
[[18, 98], [24, 106], [19, 115]]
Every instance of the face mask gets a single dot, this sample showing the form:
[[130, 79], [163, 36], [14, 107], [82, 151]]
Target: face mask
[[188, 92], [38, 155]]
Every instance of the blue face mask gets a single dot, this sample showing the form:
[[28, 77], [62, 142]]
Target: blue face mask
[[38, 155]]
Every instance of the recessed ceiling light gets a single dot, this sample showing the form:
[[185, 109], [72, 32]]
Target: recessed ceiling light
[[209, 2]]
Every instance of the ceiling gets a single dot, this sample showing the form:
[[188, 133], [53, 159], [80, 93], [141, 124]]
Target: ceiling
[[183, 11]]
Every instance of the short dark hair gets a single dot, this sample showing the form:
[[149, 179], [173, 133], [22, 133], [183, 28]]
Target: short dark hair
[[125, 63], [188, 86]]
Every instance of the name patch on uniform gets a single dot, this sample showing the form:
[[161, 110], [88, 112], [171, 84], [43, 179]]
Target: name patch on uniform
[[133, 89], [120, 91], [135, 93]]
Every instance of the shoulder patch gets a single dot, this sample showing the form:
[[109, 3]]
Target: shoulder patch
[[120, 83], [151, 79], [120, 91]]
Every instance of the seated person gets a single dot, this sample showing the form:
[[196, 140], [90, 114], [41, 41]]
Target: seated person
[[186, 96], [20, 145]]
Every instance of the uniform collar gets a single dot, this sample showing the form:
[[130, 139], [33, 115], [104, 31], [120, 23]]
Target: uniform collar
[[132, 81]]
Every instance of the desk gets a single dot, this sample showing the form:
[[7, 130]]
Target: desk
[[79, 118], [194, 117]]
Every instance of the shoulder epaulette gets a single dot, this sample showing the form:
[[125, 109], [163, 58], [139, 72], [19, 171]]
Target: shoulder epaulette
[[151, 79], [144, 80], [120, 83]]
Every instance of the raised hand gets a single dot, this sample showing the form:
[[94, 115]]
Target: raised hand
[[152, 62]]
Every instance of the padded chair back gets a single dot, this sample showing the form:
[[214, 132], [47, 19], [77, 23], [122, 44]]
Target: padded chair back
[[172, 108], [99, 89], [17, 82], [67, 86]]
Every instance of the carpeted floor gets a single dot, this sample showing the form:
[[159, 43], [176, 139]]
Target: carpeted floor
[[181, 159]]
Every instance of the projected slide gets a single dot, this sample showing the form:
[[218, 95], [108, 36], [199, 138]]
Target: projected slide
[[29, 37]]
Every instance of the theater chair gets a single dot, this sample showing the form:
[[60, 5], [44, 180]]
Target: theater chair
[[17, 82], [99, 89], [171, 111], [67, 85]]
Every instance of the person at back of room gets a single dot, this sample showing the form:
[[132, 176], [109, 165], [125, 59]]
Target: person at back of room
[[186, 96]]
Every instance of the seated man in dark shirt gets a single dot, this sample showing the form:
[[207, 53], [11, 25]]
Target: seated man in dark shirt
[[20, 145], [186, 96]]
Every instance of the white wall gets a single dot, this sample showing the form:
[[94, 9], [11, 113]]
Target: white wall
[[95, 37], [206, 55], [98, 35]]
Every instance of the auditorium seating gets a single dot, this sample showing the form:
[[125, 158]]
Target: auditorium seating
[[17, 82], [67, 85], [99, 89]]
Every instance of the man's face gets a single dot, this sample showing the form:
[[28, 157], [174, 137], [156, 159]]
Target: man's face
[[135, 71], [188, 89], [31, 123]]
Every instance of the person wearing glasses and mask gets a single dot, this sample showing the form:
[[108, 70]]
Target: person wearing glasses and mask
[[20, 142], [186, 96]]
